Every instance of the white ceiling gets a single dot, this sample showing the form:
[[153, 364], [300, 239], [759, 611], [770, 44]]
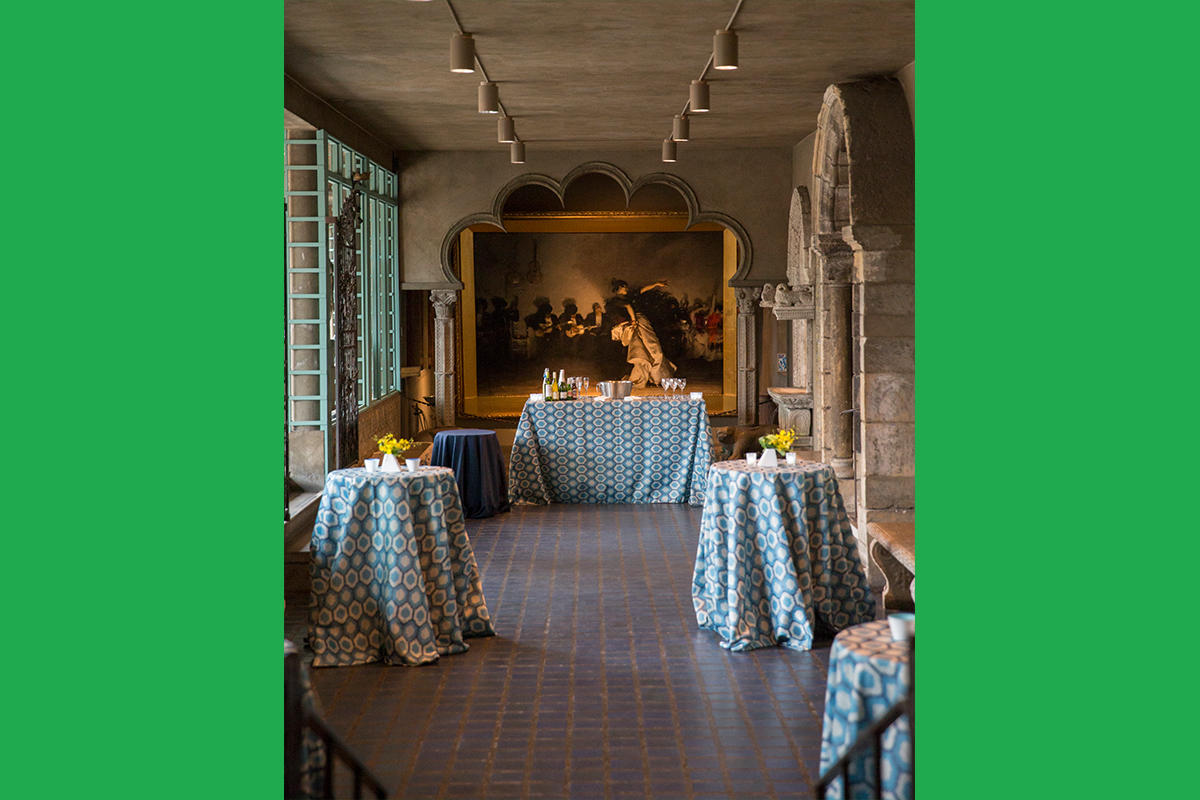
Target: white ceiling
[[579, 74]]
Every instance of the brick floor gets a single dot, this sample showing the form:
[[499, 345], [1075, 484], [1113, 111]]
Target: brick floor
[[598, 683]]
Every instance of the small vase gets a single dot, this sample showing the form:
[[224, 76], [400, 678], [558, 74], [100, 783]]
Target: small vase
[[390, 464], [769, 458]]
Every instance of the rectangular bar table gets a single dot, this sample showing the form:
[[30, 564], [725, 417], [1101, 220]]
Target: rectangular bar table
[[646, 450]]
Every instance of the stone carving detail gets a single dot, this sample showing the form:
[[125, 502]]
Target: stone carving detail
[[768, 295], [795, 411], [747, 300], [443, 300], [793, 296]]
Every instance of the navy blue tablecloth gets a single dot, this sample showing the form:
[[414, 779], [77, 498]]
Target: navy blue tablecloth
[[478, 466]]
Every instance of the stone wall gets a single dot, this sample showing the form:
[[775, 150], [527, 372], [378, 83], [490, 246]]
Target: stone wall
[[857, 168]]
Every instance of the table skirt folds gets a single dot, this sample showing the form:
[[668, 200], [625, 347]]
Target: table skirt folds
[[777, 560], [394, 575]]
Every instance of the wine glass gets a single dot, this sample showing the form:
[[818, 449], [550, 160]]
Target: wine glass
[[586, 380], [682, 383]]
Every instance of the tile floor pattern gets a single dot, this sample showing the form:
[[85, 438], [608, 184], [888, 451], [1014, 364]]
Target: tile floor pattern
[[598, 684]]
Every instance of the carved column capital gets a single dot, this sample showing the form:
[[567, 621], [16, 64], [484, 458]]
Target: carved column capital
[[747, 300], [829, 244], [443, 300]]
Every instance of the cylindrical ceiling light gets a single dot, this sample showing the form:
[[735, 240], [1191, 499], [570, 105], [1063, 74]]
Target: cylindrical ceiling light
[[725, 50], [462, 53], [679, 131], [669, 151], [489, 98], [516, 152], [506, 130], [699, 97]]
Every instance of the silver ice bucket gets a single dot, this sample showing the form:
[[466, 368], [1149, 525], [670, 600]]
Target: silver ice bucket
[[615, 390]]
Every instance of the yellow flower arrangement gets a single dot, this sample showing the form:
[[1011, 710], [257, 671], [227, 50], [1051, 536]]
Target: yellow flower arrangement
[[391, 445], [781, 441]]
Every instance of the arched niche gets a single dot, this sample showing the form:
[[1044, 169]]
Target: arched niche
[[863, 271], [799, 272], [657, 184]]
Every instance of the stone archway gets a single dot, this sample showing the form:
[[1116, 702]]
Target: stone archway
[[863, 281], [445, 299]]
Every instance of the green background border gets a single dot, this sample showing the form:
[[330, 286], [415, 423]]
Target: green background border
[[1054, 443], [144, 399]]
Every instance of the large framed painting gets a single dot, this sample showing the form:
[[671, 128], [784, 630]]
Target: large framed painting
[[641, 306]]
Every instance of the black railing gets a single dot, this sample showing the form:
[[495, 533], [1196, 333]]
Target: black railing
[[301, 780], [871, 740]]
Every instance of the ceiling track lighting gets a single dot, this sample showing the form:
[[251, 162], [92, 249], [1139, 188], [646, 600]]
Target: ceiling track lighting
[[516, 152], [724, 56], [725, 50], [462, 53], [506, 130], [489, 98], [680, 129]]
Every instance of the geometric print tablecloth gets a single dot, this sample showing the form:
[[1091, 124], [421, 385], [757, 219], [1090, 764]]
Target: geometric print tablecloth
[[776, 557], [868, 673], [394, 577], [637, 451]]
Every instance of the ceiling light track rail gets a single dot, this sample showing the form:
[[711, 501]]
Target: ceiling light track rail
[[722, 56]]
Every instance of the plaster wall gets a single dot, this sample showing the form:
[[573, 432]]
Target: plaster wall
[[437, 189]]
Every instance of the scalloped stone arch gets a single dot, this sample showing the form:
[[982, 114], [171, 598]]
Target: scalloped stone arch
[[495, 217]]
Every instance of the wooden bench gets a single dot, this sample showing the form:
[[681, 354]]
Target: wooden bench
[[893, 548]]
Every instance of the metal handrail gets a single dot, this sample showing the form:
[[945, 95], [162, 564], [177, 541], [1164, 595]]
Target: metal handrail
[[872, 738], [295, 720]]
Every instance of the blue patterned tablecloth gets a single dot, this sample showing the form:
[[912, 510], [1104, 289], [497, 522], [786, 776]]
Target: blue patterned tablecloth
[[776, 557], [394, 577], [627, 451], [868, 673]]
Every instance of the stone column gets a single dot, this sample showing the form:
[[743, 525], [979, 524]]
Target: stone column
[[833, 397], [443, 354], [747, 355], [884, 325]]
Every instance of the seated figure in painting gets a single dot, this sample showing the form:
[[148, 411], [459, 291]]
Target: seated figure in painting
[[634, 331]]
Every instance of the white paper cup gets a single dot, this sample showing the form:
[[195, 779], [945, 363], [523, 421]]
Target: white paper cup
[[412, 464], [751, 458], [903, 625], [697, 395], [371, 464], [791, 458]]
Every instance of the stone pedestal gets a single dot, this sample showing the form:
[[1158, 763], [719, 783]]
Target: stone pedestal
[[443, 360], [795, 412]]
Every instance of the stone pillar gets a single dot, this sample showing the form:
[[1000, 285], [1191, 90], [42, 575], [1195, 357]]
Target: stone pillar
[[747, 355], [884, 326], [443, 354], [833, 399]]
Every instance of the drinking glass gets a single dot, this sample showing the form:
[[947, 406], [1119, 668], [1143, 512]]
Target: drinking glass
[[682, 383]]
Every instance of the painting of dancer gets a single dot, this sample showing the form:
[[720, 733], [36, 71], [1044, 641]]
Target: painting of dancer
[[611, 306]]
